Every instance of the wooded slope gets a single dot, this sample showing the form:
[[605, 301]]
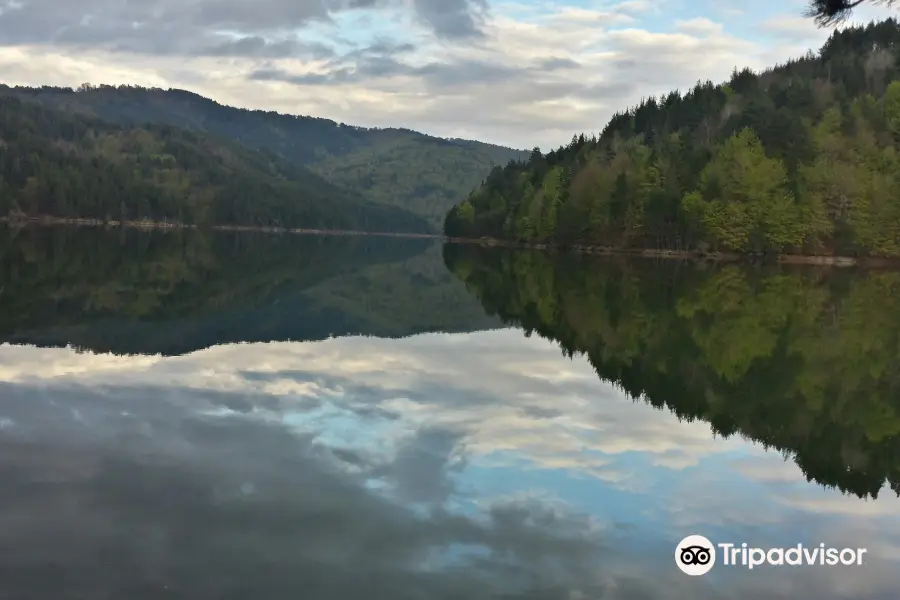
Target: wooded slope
[[802, 158], [64, 164], [396, 167]]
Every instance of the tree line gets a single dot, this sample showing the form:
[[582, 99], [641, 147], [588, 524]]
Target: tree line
[[801, 158]]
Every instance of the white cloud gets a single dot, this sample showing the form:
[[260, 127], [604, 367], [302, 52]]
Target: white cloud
[[533, 74], [700, 26]]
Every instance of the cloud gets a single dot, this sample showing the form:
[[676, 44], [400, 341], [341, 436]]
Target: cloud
[[261, 47], [163, 27], [551, 64], [438, 78], [518, 73], [699, 26], [453, 19], [264, 28]]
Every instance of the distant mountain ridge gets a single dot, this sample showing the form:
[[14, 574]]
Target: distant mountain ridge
[[399, 167], [65, 164]]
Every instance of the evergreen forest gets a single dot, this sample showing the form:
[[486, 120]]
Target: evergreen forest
[[68, 165], [399, 168], [803, 158]]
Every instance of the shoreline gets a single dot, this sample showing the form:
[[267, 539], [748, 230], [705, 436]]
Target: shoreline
[[683, 255], [148, 225], [690, 255]]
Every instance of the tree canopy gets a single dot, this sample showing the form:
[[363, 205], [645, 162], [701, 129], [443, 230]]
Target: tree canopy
[[65, 164], [800, 158], [396, 167]]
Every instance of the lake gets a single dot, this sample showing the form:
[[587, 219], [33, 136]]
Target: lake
[[234, 415]]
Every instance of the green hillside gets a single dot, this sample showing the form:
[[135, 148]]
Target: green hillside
[[397, 167], [63, 164], [801, 158]]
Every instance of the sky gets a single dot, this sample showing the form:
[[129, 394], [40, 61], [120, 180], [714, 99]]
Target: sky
[[519, 73]]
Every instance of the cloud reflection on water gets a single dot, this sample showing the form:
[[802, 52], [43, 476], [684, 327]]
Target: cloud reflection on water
[[437, 466]]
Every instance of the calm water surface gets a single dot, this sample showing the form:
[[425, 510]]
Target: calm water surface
[[240, 416]]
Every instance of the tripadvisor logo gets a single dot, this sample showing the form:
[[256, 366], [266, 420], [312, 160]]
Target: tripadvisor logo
[[696, 555]]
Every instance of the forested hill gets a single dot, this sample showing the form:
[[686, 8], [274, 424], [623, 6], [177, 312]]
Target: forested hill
[[63, 164], [801, 158], [398, 167]]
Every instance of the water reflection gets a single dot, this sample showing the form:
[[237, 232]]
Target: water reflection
[[170, 292], [178, 451], [477, 465], [804, 361]]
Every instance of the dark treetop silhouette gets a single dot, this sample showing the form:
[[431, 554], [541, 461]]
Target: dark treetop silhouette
[[828, 12]]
